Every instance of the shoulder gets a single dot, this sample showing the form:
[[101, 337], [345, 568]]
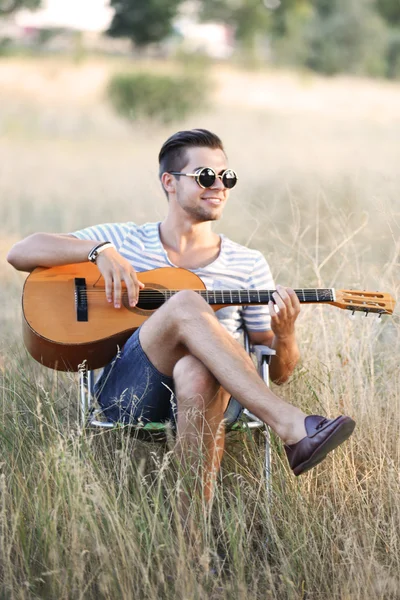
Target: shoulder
[[249, 263], [235, 252]]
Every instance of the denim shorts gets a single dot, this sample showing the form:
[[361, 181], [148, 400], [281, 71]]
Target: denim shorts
[[131, 389]]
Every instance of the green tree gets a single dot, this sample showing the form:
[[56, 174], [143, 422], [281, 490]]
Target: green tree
[[143, 21], [346, 36], [250, 18], [390, 11], [9, 6]]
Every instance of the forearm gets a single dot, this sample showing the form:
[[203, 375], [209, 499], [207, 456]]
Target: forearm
[[285, 360], [48, 250]]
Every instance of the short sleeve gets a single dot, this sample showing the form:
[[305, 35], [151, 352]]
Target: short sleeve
[[107, 232], [257, 318]]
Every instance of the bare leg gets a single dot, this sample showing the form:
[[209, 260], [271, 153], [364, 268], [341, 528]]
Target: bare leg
[[187, 325], [200, 428]]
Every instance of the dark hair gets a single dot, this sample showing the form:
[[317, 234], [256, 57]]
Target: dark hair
[[173, 155]]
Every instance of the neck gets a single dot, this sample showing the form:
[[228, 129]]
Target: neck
[[238, 297], [181, 234]]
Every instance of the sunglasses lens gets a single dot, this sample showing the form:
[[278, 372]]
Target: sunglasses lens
[[229, 179], [206, 177]]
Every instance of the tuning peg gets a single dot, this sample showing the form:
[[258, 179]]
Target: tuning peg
[[352, 315], [379, 318]]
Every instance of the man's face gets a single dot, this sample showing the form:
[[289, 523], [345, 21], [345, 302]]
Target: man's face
[[202, 204]]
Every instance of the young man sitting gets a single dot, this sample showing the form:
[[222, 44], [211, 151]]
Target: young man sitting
[[184, 346]]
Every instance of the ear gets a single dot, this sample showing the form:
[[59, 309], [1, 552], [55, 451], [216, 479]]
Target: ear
[[168, 182]]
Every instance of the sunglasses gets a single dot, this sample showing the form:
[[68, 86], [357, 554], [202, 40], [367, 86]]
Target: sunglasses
[[206, 176]]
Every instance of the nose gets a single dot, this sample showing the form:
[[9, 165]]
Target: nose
[[218, 185]]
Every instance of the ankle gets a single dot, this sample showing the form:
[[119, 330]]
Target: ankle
[[296, 431]]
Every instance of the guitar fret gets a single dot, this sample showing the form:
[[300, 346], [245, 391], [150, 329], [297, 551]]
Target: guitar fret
[[258, 296]]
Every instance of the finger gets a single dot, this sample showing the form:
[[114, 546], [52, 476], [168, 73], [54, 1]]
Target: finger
[[283, 293], [272, 311], [294, 299], [130, 288], [279, 302], [288, 299], [137, 285], [117, 290], [108, 285]]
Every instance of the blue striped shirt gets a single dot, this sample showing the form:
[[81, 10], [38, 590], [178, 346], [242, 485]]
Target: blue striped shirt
[[236, 267]]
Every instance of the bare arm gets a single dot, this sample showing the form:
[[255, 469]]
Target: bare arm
[[282, 338], [48, 250], [52, 250], [287, 354]]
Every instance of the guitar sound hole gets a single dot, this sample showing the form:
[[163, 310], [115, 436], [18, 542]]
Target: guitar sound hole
[[150, 299]]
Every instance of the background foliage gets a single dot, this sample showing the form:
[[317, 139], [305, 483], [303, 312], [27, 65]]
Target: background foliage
[[164, 98], [359, 37], [144, 22], [9, 6], [354, 36]]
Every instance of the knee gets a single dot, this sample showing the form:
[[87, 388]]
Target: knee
[[188, 304], [193, 381]]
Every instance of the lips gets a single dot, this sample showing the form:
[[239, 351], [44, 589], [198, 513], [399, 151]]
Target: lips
[[214, 200]]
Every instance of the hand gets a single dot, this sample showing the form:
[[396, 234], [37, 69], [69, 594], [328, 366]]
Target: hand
[[282, 323], [115, 269]]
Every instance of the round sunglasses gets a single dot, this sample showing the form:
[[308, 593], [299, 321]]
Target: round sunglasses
[[206, 176]]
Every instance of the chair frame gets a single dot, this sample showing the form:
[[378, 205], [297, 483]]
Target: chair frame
[[89, 414]]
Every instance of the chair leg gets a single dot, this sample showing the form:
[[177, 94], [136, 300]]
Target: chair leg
[[85, 393], [264, 355]]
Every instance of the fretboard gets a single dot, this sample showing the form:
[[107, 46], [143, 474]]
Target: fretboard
[[237, 297]]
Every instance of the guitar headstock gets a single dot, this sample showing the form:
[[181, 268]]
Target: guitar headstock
[[374, 302]]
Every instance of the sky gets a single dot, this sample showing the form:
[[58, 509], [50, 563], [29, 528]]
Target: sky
[[89, 15]]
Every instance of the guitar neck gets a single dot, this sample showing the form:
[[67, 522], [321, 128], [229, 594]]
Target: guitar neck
[[239, 297]]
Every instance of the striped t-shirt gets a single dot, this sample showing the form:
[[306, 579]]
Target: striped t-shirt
[[236, 267]]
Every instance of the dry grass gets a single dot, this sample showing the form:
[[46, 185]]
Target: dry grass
[[85, 516]]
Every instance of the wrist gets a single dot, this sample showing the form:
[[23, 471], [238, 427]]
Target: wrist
[[286, 338], [97, 249]]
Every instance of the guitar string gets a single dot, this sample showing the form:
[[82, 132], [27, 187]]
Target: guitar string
[[150, 298], [255, 295], [154, 292], [218, 296], [369, 304], [320, 296], [213, 297]]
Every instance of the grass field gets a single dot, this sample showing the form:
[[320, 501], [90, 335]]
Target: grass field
[[94, 516]]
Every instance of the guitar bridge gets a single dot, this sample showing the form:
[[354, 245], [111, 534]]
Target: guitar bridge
[[81, 303]]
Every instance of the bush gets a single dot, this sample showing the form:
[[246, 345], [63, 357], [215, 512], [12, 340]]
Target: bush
[[393, 54], [352, 39], [159, 97]]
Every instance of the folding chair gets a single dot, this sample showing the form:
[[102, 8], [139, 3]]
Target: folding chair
[[92, 416]]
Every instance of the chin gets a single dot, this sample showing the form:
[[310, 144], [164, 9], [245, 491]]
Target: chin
[[203, 217]]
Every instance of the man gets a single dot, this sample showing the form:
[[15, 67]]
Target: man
[[184, 347]]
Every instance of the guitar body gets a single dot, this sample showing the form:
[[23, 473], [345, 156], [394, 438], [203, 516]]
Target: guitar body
[[57, 339], [67, 319]]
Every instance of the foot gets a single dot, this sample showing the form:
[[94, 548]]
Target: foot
[[323, 435]]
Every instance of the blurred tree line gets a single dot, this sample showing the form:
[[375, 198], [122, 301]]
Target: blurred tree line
[[327, 36], [9, 6]]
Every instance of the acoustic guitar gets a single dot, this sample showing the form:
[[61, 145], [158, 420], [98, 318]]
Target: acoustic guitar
[[67, 319]]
